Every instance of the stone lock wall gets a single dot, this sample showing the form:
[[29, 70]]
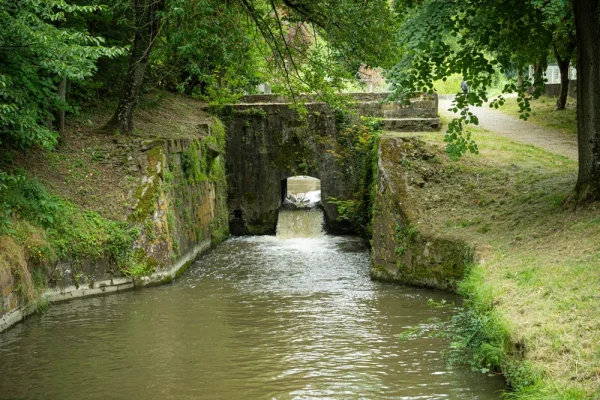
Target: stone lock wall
[[269, 143], [180, 205], [403, 249]]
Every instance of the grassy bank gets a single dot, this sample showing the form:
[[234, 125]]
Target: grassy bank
[[534, 288], [543, 113]]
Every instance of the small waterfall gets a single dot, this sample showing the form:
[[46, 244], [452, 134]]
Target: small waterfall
[[300, 223]]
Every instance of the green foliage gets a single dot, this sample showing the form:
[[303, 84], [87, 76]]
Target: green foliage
[[315, 47], [474, 340], [194, 166], [149, 230], [210, 51], [139, 264], [477, 339], [36, 55], [29, 199], [404, 237], [6, 181], [199, 163]]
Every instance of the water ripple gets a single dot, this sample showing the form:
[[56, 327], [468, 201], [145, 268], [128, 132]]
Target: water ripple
[[257, 318]]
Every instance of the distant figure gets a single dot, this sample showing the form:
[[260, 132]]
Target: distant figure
[[464, 87]]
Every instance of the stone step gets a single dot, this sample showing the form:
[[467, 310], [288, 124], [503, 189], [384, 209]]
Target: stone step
[[410, 113], [427, 104], [412, 124]]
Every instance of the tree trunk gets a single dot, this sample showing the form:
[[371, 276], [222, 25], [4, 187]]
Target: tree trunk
[[59, 115], [538, 85], [588, 98], [563, 66], [146, 30]]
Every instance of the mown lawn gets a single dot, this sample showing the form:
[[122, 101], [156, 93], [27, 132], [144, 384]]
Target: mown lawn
[[543, 113], [538, 256]]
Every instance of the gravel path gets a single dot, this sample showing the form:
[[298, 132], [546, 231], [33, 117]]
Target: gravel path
[[520, 131]]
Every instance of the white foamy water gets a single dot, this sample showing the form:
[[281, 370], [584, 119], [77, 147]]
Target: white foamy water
[[300, 223], [308, 199]]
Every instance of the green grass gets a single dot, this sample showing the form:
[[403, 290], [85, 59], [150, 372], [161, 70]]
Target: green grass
[[543, 113], [452, 84], [538, 272]]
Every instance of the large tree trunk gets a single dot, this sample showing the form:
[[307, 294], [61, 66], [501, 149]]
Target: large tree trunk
[[146, 30], [588, 98]]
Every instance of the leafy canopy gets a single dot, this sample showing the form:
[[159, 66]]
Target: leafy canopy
[[476, 39], [37, 53]]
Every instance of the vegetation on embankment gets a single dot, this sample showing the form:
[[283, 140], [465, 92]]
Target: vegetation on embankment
[[543, 113], [533, 292], [357, 145], [75, 203]]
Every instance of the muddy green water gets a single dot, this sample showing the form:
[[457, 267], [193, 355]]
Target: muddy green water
[[258, 318]]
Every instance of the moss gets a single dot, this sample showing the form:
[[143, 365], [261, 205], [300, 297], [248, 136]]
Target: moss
[[193, 163], [150, 230], [380, 273], [219, 234], [251, 112], [140, 264], [217, 136], [183, 268], [155, 156], [171, 221], [151, 263], [356, 152], [250, 197], [196, 231], [147, 194]]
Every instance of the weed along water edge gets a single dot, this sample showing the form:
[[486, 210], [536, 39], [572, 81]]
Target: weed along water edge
[[257, 318]]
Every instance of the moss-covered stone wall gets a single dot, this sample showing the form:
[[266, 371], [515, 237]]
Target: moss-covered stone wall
[[268, 143], [403, 249], [181, 205]]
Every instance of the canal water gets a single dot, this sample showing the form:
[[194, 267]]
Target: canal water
[[258, 318]]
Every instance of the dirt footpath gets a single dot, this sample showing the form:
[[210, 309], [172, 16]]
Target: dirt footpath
[[519, 131]]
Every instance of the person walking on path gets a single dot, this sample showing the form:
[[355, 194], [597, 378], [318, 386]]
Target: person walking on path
[[464, 87]]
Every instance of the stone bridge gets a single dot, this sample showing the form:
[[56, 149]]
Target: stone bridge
[[268, 141]]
